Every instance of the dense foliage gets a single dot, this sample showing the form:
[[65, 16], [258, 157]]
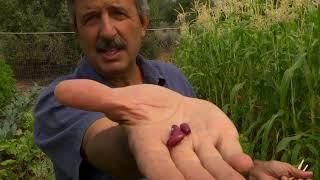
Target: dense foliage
[[159, 9], [260, 62], [7, 85], [19, 156]]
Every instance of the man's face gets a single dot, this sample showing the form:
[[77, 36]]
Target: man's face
[[110, 33]]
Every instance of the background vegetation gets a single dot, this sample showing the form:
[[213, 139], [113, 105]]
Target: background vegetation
[[260, 62], [7, 86], [19, 156]]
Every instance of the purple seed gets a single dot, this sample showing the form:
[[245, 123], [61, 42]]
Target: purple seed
[[175, 138], [185, 128], [173, 129]]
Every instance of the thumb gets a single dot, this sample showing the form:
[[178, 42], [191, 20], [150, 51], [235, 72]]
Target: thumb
[[85, 94]]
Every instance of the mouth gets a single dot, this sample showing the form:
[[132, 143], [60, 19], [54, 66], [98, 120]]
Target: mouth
[[108, 54]]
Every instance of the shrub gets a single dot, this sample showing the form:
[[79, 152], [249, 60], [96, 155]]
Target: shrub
[[40, 57], [20, 158], [150, 46], [166, 39], [7, 84], [13, 113]]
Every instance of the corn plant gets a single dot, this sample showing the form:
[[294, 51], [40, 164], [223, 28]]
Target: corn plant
[[260, 62]]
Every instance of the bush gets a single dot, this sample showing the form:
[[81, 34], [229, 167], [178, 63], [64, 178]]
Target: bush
[[150, 46], [7, 84], [13, 113], [159, 41], [40, 57], [166, 39], [20, 158]]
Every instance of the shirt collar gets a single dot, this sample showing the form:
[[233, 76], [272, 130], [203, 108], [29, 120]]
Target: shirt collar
[[151, 74], [86, 71]]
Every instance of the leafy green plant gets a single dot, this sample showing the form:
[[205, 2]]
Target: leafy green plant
[[7, 85], [20, 158], [13, 112]]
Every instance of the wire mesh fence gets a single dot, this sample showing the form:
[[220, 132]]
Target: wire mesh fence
[[42, 57], [39, 57]]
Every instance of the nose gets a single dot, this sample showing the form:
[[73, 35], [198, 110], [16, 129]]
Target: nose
[[107, 28]]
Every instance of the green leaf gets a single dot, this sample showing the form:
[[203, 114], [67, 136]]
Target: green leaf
[[295, 153], [283, 144], [235, 90], [313, 150], [287, 77], [266, 133], [7, 162]]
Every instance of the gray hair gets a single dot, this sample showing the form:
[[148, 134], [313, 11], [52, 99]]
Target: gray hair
[[142, 8]]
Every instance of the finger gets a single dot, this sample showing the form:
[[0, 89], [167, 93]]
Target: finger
[[90, 95], [214, 163], [83, 94], [260, 175], [155, 163], [297, 173], [187, 161], [292, 171], [231, 151], [284, 178]]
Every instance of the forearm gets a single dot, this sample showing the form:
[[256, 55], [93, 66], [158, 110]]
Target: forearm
[[106, 147]]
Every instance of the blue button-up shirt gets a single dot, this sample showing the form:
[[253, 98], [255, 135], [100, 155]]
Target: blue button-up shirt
[[59, 130]]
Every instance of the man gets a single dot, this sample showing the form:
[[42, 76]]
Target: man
[[89, 145]]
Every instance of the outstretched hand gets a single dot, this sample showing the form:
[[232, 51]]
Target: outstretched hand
[[211, 151]]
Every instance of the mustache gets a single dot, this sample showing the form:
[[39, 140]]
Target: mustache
[[104, 44]]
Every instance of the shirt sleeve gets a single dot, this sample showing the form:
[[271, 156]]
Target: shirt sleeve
[[59, 131]]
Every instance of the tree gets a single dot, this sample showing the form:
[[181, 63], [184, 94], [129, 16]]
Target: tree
[[33, 16]]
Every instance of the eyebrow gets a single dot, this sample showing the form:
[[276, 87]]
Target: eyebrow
[[87, 14], [92, 10], [120, 8]]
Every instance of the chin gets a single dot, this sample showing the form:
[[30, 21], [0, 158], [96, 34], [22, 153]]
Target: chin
[[113, 68]]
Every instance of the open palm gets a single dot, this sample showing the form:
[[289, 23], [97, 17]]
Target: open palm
[[211, 151]]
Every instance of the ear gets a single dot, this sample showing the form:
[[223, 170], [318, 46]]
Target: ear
[[145, 25]]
